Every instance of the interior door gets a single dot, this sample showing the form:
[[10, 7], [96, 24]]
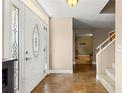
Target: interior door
[[35, 50]]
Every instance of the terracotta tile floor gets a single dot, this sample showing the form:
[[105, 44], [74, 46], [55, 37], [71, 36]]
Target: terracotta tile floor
[[82, 81]]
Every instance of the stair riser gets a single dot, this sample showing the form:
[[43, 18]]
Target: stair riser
[[110, 74], [111, 77], [107, 85]]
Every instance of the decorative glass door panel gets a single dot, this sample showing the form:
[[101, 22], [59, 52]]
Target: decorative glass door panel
[[15, 43], [36, 41]]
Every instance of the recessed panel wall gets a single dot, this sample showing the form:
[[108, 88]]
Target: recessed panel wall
[[61, 44]]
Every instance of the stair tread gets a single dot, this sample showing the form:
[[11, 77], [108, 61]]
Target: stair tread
[[107, 82]]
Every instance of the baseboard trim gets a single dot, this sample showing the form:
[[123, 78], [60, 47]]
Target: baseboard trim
[[97, 78], [93, 62], [37, 83], [61, 71]]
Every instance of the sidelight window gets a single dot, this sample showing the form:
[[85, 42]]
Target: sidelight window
[[15, 44]]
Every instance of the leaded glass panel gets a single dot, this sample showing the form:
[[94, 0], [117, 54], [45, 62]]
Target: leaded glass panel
[[15, 43]]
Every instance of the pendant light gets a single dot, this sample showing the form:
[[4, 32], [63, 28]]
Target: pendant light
[[72, 2]]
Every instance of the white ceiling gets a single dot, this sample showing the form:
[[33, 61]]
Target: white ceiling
[[86, 13]]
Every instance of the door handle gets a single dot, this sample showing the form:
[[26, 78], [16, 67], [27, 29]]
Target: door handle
[[27, 58]]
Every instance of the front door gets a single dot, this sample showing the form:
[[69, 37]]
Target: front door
[[35, 50]]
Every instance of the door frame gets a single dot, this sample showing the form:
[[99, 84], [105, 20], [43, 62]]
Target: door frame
[[74, 45]]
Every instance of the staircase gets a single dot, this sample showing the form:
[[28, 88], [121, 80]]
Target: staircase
[[105, 60], [107, 78]]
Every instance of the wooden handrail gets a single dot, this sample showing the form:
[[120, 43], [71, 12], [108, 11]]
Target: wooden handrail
[[99, 47]]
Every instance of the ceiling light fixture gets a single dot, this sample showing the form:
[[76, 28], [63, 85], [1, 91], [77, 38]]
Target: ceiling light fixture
[[72, 2]]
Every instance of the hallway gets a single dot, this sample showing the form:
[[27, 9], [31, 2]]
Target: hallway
[[82, 81]]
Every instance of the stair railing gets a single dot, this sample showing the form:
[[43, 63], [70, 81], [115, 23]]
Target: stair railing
[[106, 41]]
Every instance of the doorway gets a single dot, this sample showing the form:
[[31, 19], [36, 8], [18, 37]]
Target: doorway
[[83, 48], [83, 52]]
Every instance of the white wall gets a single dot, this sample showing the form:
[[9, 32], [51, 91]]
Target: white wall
[[61, 44], [5, 30], [118, 49], [1, 28]]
